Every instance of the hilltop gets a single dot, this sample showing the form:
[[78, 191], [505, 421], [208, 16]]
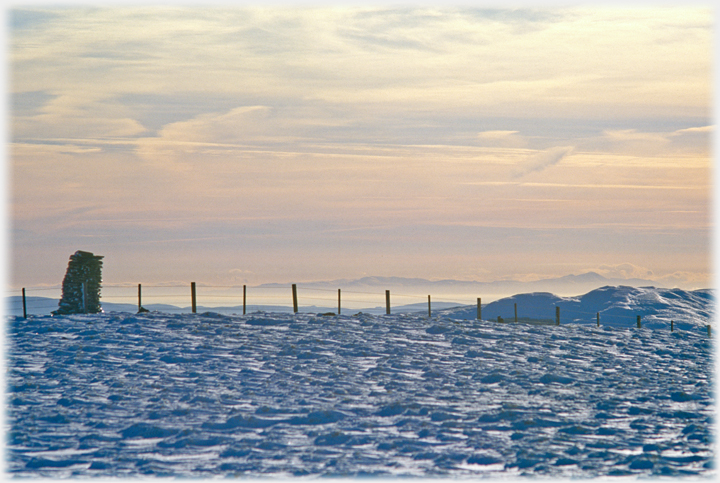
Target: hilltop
[[617, 306]]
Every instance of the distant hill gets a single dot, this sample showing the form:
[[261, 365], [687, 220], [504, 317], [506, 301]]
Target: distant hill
[[618, 306]]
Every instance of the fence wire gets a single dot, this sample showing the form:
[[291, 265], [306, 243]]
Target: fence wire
[[349, 299]]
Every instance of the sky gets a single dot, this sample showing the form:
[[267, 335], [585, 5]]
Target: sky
[[251, 144]]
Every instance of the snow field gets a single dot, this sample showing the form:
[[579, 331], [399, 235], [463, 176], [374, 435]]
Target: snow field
[[267, 394]]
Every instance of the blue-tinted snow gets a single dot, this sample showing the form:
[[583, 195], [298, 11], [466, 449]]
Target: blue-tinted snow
[[280, 395]]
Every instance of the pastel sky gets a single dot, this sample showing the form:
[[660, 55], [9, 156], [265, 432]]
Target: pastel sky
[[279, 144]]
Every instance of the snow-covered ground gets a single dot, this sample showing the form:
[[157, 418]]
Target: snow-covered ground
[[271, 394]]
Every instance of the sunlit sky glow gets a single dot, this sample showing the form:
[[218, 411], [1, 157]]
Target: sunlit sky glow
[[252, 145]]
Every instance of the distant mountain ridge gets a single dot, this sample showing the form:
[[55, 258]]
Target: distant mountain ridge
[[566, 285]]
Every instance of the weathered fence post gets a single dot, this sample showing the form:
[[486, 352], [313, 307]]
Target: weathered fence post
[[244, 298], [557, 315], [294, 294], [24, 304], [708, 330], [141, 309], [338, 301], [598, 319], [387, 302], [430, 311], [639, 325], [516, 313], [193, 300], [672, 329], [479, 314]]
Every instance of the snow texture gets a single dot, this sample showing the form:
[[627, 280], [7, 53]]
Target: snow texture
[[282, 395]]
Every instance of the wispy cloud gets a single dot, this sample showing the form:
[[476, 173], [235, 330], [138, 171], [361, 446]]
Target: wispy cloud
[[542, 160], [651, 142], [496, 134], [446, 59], [695, 130], [505, 138], [385, 125]]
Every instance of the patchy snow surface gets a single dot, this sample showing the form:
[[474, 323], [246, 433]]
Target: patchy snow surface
[[268, 394]]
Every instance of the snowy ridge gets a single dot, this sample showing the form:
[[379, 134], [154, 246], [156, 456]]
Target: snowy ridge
[[617, 306], [268, 394]]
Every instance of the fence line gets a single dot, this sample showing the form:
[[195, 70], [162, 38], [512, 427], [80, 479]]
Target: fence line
[[199, 288], [179, 294], [418, 297], [294, 288]]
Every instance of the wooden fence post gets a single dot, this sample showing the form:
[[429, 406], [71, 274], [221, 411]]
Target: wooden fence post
[[193, 300], [430, 311], [598, 319], [24, 304], [639, 325], [708, 330], [387, 302], [516, 313], [479, 314], [294, 294], [672, 329], [141, 309], [338, 301], [557, 315], [244, 298]]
